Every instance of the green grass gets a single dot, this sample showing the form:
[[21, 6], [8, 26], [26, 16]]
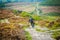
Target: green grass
[[55, 26], [25, 14], [52, 14], [48, 17], [56, 34], [36, 17], [28, 36], [24, 27], [38, 30]]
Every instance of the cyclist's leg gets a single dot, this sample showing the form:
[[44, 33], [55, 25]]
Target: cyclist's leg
[[32, 25]]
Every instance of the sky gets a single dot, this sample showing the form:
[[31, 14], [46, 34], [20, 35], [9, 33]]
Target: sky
[[47, 2], [1, 1]]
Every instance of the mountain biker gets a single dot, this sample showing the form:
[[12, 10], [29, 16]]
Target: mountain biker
[[31, 20]]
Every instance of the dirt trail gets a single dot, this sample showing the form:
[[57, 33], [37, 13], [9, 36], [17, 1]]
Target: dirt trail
[[39, 35]]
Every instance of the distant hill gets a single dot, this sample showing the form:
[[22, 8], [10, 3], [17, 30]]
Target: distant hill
[[52, 14], [50, 3], [47, 9]]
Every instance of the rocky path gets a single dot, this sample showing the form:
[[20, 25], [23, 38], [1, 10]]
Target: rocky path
[[39, 35]]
